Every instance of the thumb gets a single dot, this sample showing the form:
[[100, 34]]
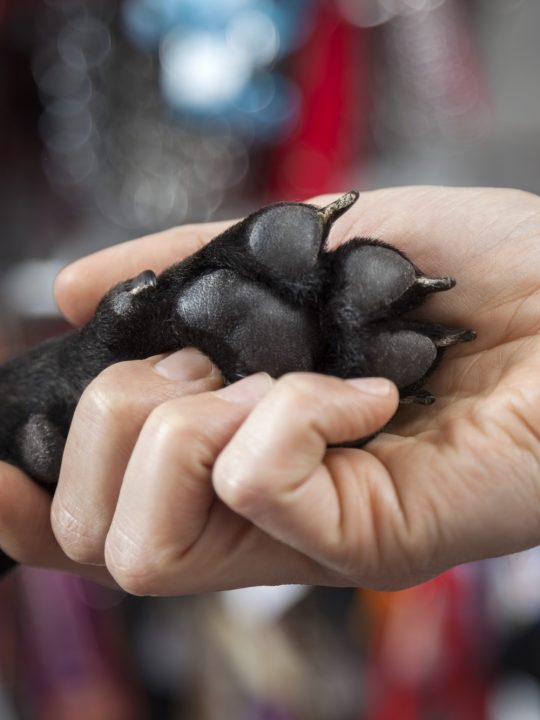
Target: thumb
[[277, 472]]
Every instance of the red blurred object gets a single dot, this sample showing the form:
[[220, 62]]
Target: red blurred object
[[430, 650], [332, 71]]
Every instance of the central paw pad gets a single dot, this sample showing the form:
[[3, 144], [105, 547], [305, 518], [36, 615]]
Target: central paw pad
[[247, 326]]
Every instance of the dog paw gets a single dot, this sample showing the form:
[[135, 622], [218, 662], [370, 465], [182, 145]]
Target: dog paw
[[267, 296]]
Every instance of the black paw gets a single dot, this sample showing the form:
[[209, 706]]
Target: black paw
[[267, 296], [125, 296], [40, 445]]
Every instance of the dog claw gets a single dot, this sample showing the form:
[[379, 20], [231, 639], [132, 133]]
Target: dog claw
[[330, 213], [454, 338], [143, 281], [420, 397], [435, 284]]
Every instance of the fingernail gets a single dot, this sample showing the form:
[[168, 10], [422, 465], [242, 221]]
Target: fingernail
[[372, 386], [248, 390], [184, 365]]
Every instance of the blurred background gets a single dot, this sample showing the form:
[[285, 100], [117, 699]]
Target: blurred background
[[124, 117]]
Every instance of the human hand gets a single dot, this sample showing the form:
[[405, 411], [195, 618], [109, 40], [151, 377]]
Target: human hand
[[446, 484], [25, 528]]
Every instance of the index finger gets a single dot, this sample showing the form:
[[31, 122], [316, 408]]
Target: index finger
[[332, 506], [80, 286]]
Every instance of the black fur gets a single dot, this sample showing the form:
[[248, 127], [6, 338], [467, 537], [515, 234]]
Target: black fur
[[264, 295]]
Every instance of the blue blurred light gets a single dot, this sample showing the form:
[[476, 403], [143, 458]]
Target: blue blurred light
[[269, 107], [200, 72], [204, 14], [258, 95], [254, 33], [216, 57], [143, 22], [293, 20]]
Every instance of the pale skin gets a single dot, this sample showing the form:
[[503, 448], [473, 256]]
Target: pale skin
[[171, 486]]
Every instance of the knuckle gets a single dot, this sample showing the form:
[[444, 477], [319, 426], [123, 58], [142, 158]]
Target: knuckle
[[168, 420], [172, 423], [240, 492], [107, 396], [135, 580], [169, 426], [294, 390], [241, 486], [80, 543], [134, 565], [295, 382]]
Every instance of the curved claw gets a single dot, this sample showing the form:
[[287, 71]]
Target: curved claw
[[330, 213], [435, 284], [143, 281], [420, 397], [453, 338]]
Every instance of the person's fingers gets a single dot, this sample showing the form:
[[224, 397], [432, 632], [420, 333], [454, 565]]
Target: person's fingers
[[276, 471], [167, 508], [25, 530], [81, 285], [170, 534], [107, 421]]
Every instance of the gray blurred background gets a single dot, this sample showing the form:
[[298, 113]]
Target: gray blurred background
[[124, 117]]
